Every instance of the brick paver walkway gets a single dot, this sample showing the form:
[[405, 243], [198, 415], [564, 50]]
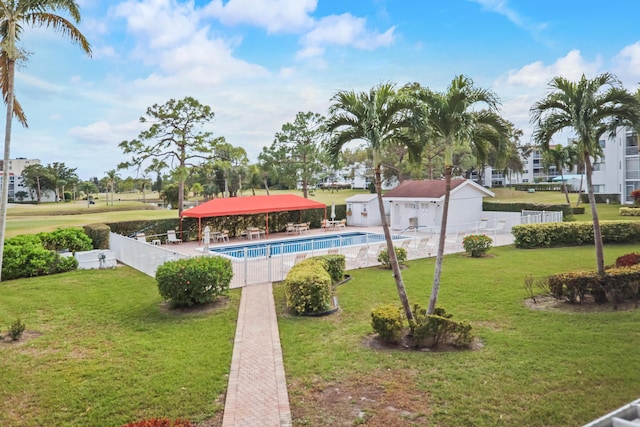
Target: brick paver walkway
[[257, 390]]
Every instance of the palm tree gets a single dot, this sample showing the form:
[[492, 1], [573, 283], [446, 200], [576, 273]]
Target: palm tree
[[380, 117], [560, 156], [14, 16], [453, 118], [112, 175], [590, 108]]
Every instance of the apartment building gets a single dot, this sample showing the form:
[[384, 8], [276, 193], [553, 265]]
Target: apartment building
[[16, 182]]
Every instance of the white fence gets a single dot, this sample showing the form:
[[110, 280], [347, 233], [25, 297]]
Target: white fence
[[274, 264], [141, 256]]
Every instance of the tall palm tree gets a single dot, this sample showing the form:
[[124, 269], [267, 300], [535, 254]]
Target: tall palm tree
[[112, 176], [380, 117], [590, 108], [14, 15], [453, 117]]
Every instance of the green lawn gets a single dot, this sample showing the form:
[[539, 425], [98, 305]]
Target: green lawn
[[537, 367], [101, 350]]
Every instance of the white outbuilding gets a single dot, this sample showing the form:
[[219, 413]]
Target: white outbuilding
[[420, 203]]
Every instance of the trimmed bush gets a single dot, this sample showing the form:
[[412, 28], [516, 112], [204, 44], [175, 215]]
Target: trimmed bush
[[308, 288], [383, 256], [575, 233], [617, 284], [72, 239], [388, 322], [625, 211], [99, 235], [432, 330], [477, 245], [192, 281], [335, 265]]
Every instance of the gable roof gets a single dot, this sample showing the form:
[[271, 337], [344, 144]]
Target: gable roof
[[430, 189], [252, 205], [359, 198]]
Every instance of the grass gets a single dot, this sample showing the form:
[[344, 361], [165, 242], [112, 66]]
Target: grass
[[537, 367], [101, 350]]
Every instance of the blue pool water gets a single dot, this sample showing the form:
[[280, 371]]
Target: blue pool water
[[305, 244]]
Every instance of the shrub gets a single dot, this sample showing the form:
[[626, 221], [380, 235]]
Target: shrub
[[575, 233], [627, 211], [477, 245], [161, 422], [16, 329], [383, 256], [25, 256], [99, 235], [636, 197], [388, 322], [334, 265], [628, 260], [193, 281], [72, 239], [438, 328], [308, 288]]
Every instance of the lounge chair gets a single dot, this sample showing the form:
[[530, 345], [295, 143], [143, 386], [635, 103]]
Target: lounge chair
[[140, 237], [171, 237], [291, 228], [360, 257], [299, 257]]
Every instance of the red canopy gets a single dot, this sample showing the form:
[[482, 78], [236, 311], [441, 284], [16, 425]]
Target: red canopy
[[251, 205]]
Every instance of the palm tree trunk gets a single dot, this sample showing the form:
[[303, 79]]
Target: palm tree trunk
[[393, 259], [597, 233], [435, 289], [266, 185], [180, 196], [7, 144], [564, 188]]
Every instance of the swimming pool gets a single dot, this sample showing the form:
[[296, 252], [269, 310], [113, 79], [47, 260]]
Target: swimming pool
[[299, 244]]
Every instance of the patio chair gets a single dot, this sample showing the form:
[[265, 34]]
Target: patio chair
[[423, 246], [360, 257], [224, 236], [325, 225], [342, 223], [375, 251], [140, 237], [291, 228], [299, 257], [172, 238]]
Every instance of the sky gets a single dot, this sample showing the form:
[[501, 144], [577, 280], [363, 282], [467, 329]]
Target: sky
[[258, 63]]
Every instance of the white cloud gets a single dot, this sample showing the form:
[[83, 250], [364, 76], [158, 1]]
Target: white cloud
[[502, 7], [626, 64], [276, 16], [572, 66], [159, 23], [343, 30]]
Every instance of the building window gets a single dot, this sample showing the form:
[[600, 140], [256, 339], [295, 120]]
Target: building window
[[599, 188], [598, 166], [603, 143]]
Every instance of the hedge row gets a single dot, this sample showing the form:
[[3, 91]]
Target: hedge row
[[529, 236], [629, 211], [567, 211], [617, 284], [32, 255]]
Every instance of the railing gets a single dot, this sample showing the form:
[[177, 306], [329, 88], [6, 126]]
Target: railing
[[272, 262]]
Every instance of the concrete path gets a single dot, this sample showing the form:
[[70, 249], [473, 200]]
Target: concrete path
[[257, 391]]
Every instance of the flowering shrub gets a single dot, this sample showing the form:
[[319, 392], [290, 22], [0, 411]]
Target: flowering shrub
[[628, 260], [160, 422], [193, 281], [383, 256], [636, 197], [308, 288], [477, 245]]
